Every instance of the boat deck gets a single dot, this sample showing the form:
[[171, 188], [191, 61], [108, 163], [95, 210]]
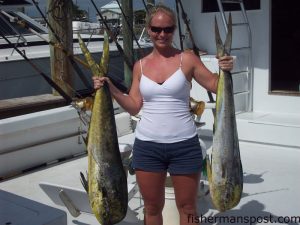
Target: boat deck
[[272, 128], [271, 190]]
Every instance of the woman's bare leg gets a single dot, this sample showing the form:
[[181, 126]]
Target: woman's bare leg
[[152, 188], [186, 190]]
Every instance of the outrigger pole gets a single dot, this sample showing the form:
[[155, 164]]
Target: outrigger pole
[[149, 5], [146, 8], [195, 48], [126, 59]]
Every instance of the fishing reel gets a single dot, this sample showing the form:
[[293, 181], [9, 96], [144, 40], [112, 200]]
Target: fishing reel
[[85, 104], [196, 107], [83, 107]]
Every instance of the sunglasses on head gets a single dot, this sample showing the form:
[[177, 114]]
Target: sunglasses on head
[[166, 30]]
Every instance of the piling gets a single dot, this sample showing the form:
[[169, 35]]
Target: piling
[[60, 19], [127, 39]]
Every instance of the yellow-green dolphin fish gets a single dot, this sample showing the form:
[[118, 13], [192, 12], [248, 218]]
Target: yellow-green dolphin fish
[[225, 173], [107, 182]]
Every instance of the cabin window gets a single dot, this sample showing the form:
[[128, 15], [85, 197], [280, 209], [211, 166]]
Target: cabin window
[[285, 48], [212, 5]]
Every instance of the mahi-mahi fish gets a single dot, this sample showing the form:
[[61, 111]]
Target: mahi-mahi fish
[[107, 183], [225, 173]]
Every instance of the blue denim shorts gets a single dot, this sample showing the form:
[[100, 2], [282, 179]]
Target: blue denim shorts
[[184, 157]]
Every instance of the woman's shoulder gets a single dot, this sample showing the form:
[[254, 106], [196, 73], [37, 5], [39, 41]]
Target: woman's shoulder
[[189, 59], [144, 61], [189, 54], [146, 57], [139, 64]]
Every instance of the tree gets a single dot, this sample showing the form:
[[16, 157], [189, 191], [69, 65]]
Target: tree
[[78, 14], [139, 16]]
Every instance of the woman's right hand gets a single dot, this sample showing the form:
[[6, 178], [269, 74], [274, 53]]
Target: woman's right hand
[[99, 81]]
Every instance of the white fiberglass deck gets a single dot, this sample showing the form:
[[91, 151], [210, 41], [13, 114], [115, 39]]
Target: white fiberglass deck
[[271, 190]]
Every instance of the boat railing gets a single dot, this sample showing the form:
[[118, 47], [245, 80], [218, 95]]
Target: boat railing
[[38, 134]]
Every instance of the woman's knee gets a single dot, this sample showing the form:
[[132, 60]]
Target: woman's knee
[[187, 208], [153, 209]]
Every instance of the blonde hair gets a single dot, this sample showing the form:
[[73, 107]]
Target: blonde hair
[[160, 8]]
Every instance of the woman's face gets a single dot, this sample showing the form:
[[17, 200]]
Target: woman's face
[[161, 30]]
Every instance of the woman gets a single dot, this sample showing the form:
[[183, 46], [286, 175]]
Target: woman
[[166, 137]]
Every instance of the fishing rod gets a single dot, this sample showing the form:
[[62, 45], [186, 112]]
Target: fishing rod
[[67, 98], [26, 26], [144, 3], [186, 21], [179, 27], [195, 48], [126, 59], [85, 118], [131, 28], [70, 56], [47, 22]]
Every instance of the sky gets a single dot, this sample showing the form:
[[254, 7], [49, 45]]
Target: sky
[[87, 5]]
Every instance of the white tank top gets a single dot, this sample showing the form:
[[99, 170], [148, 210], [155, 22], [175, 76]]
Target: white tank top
[[166, 116]]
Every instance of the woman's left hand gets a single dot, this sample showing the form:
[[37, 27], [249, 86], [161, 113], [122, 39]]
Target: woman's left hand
[[225, 63]]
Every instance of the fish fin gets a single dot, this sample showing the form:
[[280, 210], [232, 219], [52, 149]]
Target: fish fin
[[131, 170], [204, 167], [105, 55], [85, 139], [208, 168], [84, 182], [94, 67]]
